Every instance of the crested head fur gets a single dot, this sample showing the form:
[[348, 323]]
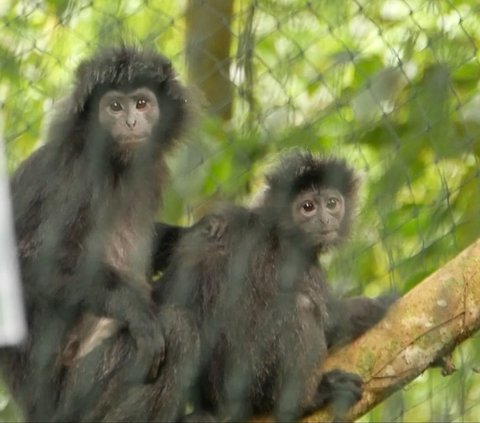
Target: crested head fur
[[124, 67], [299, 171]]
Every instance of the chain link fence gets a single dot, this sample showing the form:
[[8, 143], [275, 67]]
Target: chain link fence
[[391, 85]]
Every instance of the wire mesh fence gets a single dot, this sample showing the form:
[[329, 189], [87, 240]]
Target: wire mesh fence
[[389, 85]]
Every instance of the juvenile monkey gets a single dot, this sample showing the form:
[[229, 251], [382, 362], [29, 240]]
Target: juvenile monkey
[[252, 279]]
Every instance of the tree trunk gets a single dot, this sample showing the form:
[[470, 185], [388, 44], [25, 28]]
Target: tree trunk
[[208, 39]]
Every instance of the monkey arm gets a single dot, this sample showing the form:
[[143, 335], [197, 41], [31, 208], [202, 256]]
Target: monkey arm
[[348, 318], [123, 297], [166, 238]]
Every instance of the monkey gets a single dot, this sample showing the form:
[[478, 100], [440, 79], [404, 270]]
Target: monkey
[[84, 206], [252, 279], [348, 318], [259, 294]]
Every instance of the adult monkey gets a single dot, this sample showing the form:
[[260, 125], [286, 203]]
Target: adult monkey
[[84, 206]]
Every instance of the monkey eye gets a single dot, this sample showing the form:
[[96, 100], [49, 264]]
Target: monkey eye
[[141, 104], [308, 208], [115, 106], [332, 203]]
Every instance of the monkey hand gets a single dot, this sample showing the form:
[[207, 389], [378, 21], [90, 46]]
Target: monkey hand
[[340, 390], [214, 226], [148, 333]]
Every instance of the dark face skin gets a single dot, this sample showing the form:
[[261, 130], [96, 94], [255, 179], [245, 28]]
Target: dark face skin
[[319, 214], [129, 117]]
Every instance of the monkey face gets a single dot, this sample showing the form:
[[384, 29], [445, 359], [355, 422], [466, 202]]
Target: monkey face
[[319, 214], [129, 117]]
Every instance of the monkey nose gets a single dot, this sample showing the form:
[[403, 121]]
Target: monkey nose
[[324, 221], [131, 123]]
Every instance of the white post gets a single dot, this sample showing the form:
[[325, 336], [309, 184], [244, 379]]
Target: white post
[[12, 316]]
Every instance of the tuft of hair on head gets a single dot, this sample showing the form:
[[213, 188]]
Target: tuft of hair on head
[[300, 170], [124, 65]]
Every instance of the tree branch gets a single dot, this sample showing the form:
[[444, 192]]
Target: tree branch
[[423, 326]]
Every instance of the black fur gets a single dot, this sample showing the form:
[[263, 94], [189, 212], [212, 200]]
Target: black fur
[[261, 299], [84, 224]]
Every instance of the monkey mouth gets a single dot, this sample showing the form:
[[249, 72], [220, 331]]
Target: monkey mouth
[[329, 235], [132, 140], [328, 231]]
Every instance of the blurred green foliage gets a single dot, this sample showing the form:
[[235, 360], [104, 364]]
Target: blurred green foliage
[[392, 85]]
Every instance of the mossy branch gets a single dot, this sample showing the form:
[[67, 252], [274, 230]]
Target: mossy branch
[[422, 327]]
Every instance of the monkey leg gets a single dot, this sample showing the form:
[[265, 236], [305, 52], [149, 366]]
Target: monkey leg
[[97, 387], [36, 374], [164, 399], [302, 347], [87, 378], [302, 389]]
